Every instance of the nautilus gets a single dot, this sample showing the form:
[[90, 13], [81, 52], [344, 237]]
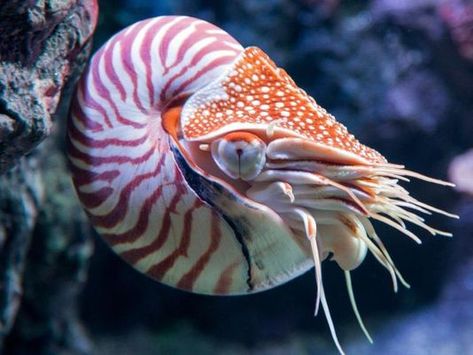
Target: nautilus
[[205, 167]]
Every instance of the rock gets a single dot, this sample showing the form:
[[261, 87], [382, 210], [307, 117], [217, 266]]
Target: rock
[[21, 195], [44, 46], [41, 48], [55, 269]]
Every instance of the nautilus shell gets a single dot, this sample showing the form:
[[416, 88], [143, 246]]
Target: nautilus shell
[[205, 167]]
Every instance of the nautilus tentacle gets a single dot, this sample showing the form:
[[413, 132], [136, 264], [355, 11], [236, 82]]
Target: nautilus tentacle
[[205, 167]]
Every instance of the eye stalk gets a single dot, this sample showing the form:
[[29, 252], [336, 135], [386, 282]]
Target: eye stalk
[[240, 155]]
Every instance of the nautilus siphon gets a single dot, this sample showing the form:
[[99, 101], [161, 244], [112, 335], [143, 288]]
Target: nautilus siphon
[[205, 167]]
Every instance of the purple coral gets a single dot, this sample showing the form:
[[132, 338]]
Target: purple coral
[[458, 16]]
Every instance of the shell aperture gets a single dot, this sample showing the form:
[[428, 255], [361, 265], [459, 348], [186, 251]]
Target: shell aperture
[[174, 123]]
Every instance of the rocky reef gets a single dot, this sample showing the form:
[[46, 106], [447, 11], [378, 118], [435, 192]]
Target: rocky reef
[[44, 243]]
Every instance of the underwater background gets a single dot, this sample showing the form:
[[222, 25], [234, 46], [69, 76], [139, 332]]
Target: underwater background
[[399, 75]]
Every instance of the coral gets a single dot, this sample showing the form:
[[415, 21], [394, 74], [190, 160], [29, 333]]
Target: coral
[[458, 16]]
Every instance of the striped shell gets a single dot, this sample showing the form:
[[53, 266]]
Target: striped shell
[[205, 167]]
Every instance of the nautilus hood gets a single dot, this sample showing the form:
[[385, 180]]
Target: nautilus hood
[[253, 94]]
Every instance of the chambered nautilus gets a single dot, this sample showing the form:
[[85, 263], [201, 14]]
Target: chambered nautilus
[[205, 167]]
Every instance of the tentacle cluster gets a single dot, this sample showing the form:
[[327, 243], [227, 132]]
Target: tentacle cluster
[[333, 205]]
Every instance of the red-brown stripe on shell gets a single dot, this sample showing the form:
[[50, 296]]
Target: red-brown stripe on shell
[[206, 168]]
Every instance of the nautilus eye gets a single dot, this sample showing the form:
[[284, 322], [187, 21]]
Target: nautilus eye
[[240, 155], [204, 166]]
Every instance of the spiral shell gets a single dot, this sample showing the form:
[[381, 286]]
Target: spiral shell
[[205, 167], [131, 184]]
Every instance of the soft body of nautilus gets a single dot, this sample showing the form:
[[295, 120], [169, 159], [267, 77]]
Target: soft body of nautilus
[[205, 167]]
